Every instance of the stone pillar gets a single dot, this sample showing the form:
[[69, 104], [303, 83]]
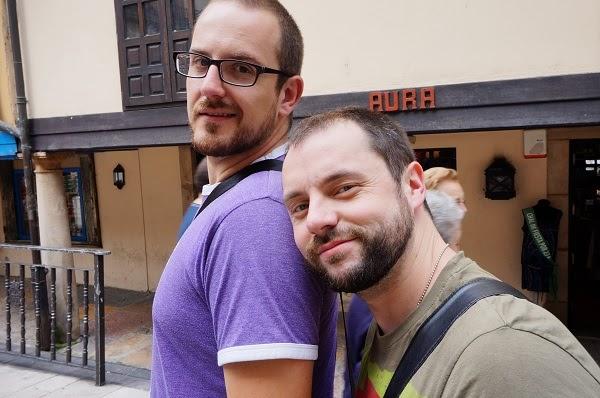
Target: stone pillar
[[55, 232]]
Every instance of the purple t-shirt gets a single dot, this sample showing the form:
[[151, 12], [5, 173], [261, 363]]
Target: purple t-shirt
[[236, 289]]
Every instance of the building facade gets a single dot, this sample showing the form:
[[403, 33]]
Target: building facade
[[469, 80]]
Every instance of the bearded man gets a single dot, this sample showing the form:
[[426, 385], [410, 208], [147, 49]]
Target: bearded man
[[235, 312], [356, 198]]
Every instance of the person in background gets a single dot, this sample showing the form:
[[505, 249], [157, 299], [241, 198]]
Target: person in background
[[236, 313], [447, 216], [200, 180], [445, 180]]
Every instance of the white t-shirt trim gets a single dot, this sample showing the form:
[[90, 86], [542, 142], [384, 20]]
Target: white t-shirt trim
[[260, 352]]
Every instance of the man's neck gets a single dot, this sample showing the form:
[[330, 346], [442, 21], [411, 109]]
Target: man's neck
[[220, 168], [396, 297]]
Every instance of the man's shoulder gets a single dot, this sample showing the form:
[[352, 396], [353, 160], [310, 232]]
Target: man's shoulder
[[264, 188], [508, 361], [257, 195], [258, 198], [491, 315], [505, 346], [245, 217]]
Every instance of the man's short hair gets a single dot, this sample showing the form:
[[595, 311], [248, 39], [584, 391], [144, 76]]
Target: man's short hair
[[386, 137], [436, 175], [291, 47]]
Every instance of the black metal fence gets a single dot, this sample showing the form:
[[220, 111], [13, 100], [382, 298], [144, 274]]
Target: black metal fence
[[16, 289]]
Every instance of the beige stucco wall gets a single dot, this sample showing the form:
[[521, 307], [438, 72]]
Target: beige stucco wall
[[70, 57], [122, 220], [492, 228], [139, 222], [6, 84], [353, 45], [163, 206]]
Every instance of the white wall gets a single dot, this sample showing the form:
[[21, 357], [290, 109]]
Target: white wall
[[353, 45], [70, 56]]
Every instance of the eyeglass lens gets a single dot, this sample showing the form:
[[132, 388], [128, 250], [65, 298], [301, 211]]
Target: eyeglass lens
[[231, 71]]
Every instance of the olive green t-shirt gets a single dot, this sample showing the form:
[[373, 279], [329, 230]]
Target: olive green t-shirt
[[501, 347]]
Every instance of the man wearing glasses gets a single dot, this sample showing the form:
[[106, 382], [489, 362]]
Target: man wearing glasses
[[236, 313]]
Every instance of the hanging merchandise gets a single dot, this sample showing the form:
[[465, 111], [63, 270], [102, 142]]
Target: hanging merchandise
[[540, 241]]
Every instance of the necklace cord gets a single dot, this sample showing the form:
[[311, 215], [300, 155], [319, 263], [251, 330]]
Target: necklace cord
[[349, 363], [435, 267]]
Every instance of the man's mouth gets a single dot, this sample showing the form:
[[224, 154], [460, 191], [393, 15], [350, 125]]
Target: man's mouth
[[331, 244], [216, 114]]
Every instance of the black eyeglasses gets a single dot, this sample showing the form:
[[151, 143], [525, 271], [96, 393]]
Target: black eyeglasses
[[231, 71]]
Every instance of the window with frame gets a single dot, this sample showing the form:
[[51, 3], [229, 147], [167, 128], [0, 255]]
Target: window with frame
[[80, 197], [148, 33], [73, 196], [436, 157]]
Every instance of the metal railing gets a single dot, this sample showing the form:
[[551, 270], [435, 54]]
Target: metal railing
[[37, 278]]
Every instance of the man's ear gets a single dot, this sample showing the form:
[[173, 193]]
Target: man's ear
[[414, 185], [290, 94]]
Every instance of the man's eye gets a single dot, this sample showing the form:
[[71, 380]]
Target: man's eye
[[243, 68], [201, 61], [345, 188], [299, 208]]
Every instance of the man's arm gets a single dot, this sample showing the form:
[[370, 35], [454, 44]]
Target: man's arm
[[271, 378], [269, 313]]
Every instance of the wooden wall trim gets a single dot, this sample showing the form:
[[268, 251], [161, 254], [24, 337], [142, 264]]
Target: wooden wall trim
[[138, 119], [480, 94], [554, 101]]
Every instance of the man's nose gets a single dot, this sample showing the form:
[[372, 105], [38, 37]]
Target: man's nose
[[320, 218], [212, 85]]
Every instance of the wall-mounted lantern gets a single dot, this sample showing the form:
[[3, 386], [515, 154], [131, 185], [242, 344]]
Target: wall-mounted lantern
[[500, 180], [119, 176]]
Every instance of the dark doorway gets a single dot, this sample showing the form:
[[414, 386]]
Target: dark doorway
[[584, 238]]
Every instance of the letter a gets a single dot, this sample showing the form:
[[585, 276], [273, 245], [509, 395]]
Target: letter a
[[427, 98], [375, 101]]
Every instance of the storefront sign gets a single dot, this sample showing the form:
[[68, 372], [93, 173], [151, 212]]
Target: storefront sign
[[409, 99]]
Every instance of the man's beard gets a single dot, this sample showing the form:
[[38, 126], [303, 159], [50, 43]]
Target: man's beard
[[218, 143], [382, 247]]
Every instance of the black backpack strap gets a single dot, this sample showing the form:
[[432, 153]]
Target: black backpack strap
[[264, 165], [432, 331]]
